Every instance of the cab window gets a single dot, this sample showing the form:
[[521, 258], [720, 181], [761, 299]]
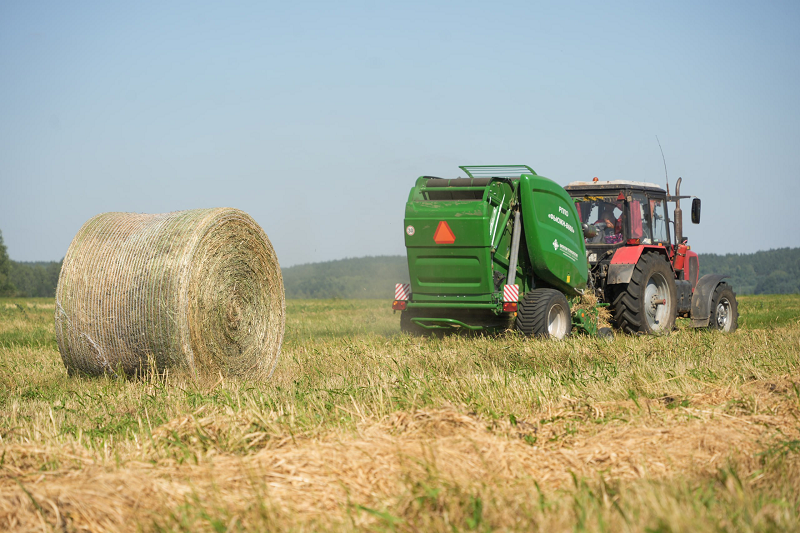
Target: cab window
[[605, 214], [639, 219], [660, 232]]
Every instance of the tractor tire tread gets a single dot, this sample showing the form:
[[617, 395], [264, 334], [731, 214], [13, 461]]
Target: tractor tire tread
[[627, 305], [718, 292]]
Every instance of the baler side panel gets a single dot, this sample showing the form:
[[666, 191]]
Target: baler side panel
[[553, 234]]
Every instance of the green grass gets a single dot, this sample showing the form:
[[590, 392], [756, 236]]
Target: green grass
[[769, 311], [346, 372], [337, 350], [27, 322]]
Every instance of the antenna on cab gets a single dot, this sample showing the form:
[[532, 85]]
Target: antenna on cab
[[665, 163]]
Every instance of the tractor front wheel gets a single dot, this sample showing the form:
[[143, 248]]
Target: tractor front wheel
[[544, 313], [724, 309], [647, 304]]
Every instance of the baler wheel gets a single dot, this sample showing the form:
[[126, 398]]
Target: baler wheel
[[544, 313], [647, 304], [724, 309]]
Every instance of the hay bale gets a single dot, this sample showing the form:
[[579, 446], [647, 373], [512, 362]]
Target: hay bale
[[199, 290]]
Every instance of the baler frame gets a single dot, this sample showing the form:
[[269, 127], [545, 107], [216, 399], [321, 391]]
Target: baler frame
[[462, 283], [497, 171]]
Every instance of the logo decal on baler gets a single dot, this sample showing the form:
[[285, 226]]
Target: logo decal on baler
[[444, 235], [569, 253]]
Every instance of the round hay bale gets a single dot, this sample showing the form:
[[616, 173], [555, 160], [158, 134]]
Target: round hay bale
[[200, 290]]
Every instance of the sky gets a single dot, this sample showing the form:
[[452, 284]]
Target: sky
[[316, 118]]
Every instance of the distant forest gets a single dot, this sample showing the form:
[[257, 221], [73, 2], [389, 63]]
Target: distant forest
[[770, 272], [35, 279], [359, 277], [27, 279]]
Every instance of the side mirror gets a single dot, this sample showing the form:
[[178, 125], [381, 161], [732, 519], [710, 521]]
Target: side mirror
[[696, 211], [589, 231]]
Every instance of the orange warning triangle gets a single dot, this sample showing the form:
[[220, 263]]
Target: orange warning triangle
[[444, 235]]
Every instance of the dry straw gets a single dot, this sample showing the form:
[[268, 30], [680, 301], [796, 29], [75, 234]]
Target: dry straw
[[199, 290], [588, 303]]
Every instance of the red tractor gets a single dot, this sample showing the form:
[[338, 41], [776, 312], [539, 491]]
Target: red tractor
[[648, 276]]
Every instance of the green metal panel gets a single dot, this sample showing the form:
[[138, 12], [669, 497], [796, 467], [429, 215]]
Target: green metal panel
[[553, 234], [461, 271]]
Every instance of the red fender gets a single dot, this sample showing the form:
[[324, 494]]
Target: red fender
[[624, 260], [691, 271]]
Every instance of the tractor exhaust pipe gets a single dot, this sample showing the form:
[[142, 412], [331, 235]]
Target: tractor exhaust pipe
[[678, 213]]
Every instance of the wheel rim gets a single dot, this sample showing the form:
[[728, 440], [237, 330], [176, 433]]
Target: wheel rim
[[656, 302], [556, 322], [723, 314]]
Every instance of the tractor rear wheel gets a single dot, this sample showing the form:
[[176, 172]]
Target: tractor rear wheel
[[647, 304], [544, 313], [724, 309]]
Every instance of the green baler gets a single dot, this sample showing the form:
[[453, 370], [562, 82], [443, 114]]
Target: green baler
[[501, 245]]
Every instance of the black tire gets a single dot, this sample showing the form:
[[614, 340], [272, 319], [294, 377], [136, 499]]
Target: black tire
[[606, 334], [647, 304], [544, 313], [724, 309]]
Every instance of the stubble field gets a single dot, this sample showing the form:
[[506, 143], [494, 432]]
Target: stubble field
[[362, 427]]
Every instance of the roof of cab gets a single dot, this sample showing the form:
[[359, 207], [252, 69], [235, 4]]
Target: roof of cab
[[612, 184]]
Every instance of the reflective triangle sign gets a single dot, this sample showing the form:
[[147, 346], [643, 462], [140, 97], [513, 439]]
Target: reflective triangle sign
[[444, 235]]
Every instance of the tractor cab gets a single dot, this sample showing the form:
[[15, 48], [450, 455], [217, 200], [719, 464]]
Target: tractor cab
[[620, 213]]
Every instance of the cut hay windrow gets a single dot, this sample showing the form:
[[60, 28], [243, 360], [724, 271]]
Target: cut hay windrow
[[199, 290], [588, 302]]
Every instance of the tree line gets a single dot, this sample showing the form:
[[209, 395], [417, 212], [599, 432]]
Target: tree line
[[768, 272], [359, 277], [27, 279]]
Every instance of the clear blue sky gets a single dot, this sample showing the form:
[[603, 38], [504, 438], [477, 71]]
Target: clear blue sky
[[316, 117]]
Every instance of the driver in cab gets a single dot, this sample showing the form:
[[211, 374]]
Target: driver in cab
[[613, 224]]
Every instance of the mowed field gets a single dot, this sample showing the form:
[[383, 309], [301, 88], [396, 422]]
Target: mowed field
[[364, 428]]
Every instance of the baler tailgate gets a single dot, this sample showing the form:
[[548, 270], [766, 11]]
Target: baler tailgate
[[457, 271], [450, 229]]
